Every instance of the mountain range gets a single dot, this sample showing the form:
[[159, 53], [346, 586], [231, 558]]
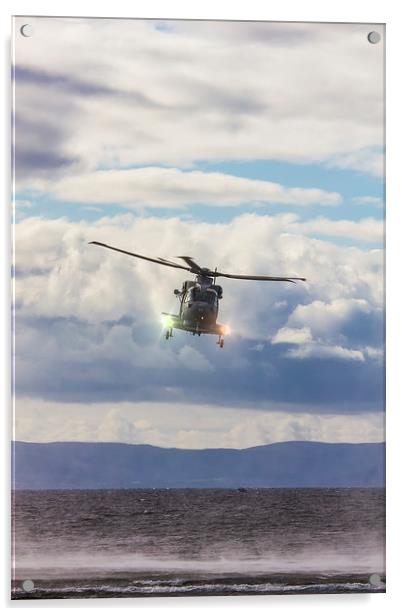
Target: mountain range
[[75, 465]]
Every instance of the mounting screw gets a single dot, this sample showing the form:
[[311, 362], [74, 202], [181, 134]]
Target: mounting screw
[[374, 37], [28, 585], [26, 30]]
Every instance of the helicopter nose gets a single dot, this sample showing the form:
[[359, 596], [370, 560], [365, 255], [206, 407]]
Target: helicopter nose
[[202, 312]]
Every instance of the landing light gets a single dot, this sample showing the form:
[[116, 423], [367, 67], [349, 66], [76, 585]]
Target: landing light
[[167, 321], [226, 330]]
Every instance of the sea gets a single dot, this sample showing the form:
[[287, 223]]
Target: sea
[[180, 542]]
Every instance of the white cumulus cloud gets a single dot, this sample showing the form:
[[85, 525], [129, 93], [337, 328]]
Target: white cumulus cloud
[[164, 188], [317, 330], [291, 335], [325, 351]]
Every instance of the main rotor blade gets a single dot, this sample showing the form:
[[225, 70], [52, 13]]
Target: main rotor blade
[[194, 266], [170, 262], [277, 278], [133, 254]]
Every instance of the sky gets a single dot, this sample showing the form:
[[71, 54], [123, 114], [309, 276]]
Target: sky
[[254, 147]]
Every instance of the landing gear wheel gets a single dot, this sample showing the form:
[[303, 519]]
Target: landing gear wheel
[[169, 334], [221, 341]]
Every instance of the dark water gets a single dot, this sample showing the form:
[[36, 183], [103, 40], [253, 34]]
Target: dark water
[[119, 543]]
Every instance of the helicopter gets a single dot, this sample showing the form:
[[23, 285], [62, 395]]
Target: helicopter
[[199, 298]]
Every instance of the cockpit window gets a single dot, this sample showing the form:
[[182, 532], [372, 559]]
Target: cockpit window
[[204, 296], [201, 295]]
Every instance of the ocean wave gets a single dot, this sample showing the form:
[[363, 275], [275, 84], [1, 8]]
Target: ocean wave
[[157, 587]]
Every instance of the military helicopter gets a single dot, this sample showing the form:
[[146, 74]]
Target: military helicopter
[[199, 298]]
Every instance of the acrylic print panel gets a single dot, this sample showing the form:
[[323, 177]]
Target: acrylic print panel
[[240, 163]]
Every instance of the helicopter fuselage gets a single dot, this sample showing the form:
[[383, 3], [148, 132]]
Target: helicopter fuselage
[[199, 307]]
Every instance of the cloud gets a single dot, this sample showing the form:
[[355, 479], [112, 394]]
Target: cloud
[[325, 351], [374, 352], [366, 229], [321, 330], [114, 427], [187, 425], [368, 200], [281, 427], [42, 127], [324, 318], [25, 75], [369, 160], [88, 320], [194, 91], [193, 359], [172, 188], [289, 335]]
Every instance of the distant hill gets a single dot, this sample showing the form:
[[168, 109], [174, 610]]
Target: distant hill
[[114, 465]]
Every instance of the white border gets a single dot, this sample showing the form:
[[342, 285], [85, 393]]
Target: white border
[[384, 11]]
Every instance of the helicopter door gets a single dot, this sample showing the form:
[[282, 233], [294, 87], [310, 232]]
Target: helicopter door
[[187, 299]]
